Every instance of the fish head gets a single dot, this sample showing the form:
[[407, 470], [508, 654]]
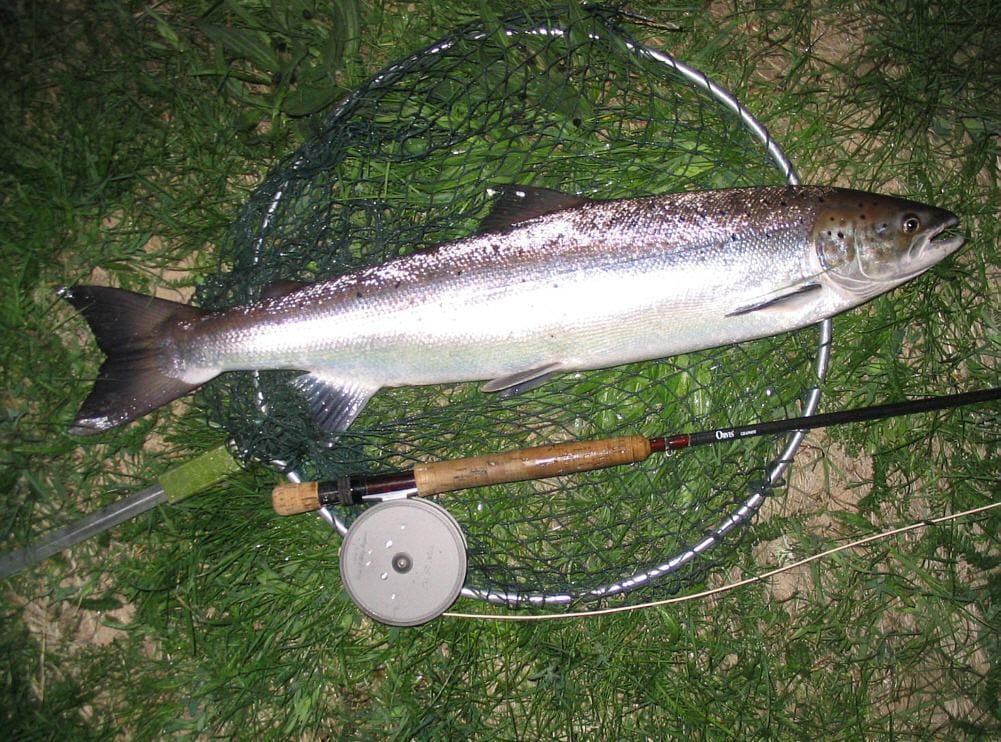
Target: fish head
[[868, 244]]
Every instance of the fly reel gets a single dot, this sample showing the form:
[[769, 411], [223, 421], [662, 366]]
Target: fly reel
[[403, 562]]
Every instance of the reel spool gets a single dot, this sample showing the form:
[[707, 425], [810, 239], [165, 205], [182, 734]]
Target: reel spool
[[404, 562]]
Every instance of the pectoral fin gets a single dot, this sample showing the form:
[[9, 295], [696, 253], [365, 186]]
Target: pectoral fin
[[522, 381], [788, 298], [334, 402]]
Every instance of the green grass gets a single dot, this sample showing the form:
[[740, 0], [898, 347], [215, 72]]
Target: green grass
[[125, 123]]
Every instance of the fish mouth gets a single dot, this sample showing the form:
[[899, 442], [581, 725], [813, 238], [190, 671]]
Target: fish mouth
[[932, 248]]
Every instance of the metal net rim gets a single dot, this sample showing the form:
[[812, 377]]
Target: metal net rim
[[746, 509]]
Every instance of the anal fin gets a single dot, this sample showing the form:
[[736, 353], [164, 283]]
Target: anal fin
[[334, 403]]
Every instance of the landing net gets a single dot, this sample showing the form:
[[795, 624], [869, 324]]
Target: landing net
[[565, 100]]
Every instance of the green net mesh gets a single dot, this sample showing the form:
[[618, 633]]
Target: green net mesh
[[566, 101]]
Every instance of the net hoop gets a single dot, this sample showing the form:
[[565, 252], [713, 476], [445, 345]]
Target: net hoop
[[750, 506]]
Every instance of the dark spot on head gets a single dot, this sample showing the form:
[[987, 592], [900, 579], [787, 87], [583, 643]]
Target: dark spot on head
[[359, 294], [862, 217], [841, 235], [783, 203]]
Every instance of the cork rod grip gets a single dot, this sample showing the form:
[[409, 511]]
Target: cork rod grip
[[292, 499], [554, 460]]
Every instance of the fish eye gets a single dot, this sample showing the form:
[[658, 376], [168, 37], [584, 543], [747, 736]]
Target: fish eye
[[911, 224]]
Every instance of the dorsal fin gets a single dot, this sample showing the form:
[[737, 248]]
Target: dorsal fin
[[517, 203]]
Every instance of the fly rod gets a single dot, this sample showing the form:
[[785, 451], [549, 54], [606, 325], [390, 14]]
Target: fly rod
[[559, 459]]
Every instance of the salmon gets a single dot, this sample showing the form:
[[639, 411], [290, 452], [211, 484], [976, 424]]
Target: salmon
[[551, 283]]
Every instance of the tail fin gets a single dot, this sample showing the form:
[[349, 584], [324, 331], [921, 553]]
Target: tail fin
[[129, 329]]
